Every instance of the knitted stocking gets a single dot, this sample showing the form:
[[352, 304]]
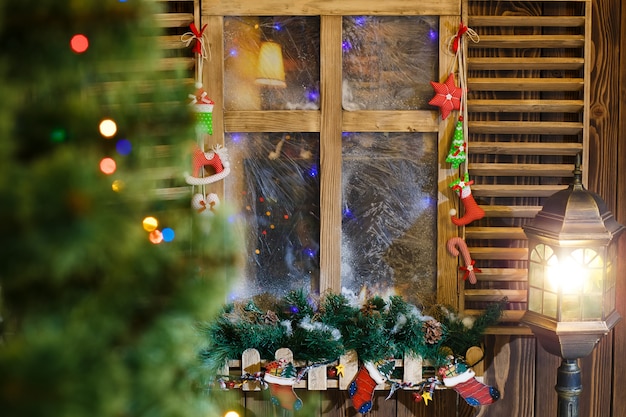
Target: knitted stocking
[[282, 393], [361, 389], [462, 379], [471, 210], [281, 386]]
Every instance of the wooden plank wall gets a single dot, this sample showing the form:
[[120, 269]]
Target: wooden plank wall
[[522, 370]]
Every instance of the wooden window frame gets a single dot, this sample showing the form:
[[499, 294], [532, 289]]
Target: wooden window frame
[[331, 120]]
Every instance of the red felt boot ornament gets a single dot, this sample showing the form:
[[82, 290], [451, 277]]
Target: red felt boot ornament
[[361, 389], [458, 376], [471, 210]]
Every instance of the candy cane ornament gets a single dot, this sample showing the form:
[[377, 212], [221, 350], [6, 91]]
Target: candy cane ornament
[[457, 245]]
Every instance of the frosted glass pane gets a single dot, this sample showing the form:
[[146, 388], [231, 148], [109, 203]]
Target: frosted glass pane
[[389, 221], [571, 308], [389, 61], [297, 38], [535, 298], [274, 185]]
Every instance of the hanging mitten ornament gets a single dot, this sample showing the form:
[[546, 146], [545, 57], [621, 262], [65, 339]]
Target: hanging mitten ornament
[[458, 376], [205, 204], [370, 374], [458, 148], [447, 96], [280, 376], [202, 106], [471, 210], [216, 160]]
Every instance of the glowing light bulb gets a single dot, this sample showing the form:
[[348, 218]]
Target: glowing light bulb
[[79, 43], [117, 186], [108, 128], [168, 234], [156, 236], [108, 166], [231, 414], [150, 223]]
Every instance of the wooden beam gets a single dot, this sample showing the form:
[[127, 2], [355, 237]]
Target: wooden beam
[[330, 153], [330, 7]]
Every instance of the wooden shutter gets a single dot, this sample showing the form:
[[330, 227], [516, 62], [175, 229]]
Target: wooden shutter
[[528, 104]]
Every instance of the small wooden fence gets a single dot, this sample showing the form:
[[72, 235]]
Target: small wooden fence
[[317, 379]]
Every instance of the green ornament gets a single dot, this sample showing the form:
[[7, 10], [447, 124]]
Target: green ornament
[[457, 154]]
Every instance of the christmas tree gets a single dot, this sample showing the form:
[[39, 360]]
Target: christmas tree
[[97, 319]]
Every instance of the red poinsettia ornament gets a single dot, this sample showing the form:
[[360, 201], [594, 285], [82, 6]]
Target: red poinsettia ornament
[[447, 96]]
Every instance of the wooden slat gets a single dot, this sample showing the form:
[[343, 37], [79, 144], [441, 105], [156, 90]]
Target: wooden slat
[[515, 254], [174, 20], [173, 64], [521, 170], [525, 106], [507, 190], [536, 21], [472, 232], [390, 121], [272, 121], [329, 7], [493, 295], [525, 148], [525, 63], [530, 41], [525, 128], [525, 84], [507, 316], [170, 42], [510, 211], [502, 274]]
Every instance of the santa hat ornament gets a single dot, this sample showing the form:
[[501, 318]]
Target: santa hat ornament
[[280, 377], [458, 376], [471, 210], [370, 374]]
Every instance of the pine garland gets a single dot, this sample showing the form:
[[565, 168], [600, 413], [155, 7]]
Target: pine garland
[[320, 331]]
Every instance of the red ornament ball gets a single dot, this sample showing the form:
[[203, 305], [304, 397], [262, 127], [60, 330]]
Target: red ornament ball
[[331, 372], [417, 397]]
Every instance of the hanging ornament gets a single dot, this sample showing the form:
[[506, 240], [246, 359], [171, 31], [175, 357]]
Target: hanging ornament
[[370, 374], [471, 209], [205, 204], [458, 376], [202, 106], [456, 245], [216, 161], [457, 154], [280, 377], [447, 96]]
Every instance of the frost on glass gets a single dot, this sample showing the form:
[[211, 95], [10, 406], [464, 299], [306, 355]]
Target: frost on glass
[[389, 214], [298, 40], [275, 181], [388, 62]]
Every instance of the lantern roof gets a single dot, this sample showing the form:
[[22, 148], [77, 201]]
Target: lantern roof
[[575, 214]]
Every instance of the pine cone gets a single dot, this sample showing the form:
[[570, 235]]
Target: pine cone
[[270, 318], [432, 331]]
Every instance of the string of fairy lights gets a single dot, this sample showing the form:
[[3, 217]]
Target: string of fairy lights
[[79, 43]]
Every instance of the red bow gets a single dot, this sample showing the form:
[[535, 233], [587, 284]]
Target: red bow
[[457, 37], [462, 184], [197, 48], [469, 269], [458, 149]]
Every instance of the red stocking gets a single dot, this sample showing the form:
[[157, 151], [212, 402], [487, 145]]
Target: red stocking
[[471, 210]]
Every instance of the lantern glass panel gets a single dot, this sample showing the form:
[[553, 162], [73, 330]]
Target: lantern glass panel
[[570, 308], [550, 304], [592, 307], [535, 300]]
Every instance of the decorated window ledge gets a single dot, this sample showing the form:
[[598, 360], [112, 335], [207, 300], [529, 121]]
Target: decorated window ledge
[[348, 344]]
